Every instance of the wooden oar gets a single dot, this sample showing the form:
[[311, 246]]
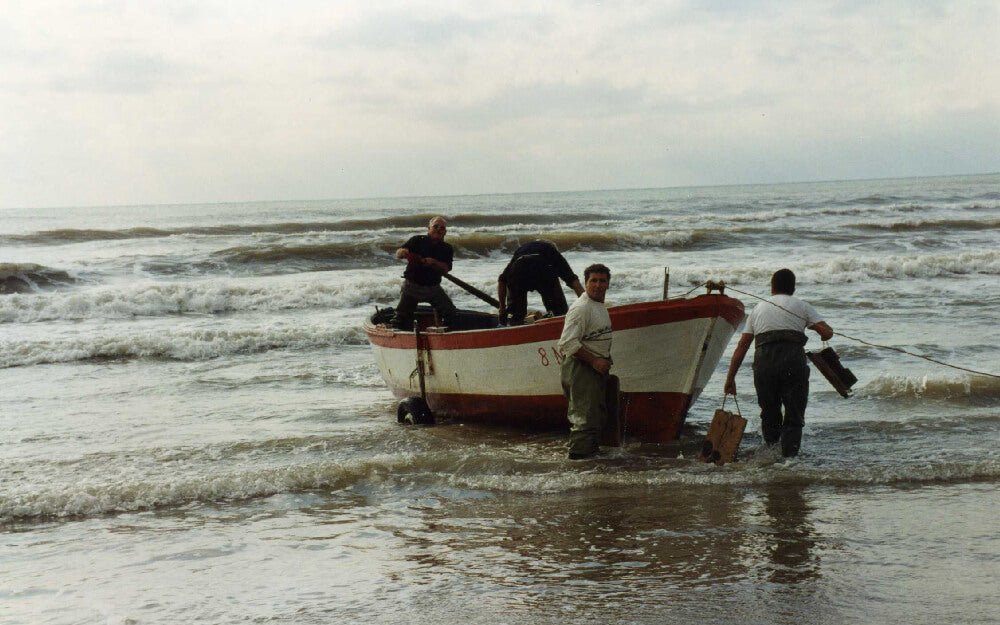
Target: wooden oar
[[471, 289]]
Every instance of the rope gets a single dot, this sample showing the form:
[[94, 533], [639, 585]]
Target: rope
[[895, 349], [697, 286], [738, 411]]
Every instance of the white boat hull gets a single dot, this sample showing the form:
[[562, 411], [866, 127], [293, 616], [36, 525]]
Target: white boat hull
[[664, 354]]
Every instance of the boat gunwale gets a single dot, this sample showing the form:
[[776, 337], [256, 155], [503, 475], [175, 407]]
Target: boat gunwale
[[634, 315]]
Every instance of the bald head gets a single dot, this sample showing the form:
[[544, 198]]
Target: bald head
[[437, 228]]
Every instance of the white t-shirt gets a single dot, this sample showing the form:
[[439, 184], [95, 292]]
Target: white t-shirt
[[587, 324], [767, 317]]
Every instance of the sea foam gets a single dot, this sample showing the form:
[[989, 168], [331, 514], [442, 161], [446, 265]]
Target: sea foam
[[969, 386], [93, 497], [202, 297], [185, 345], [485, 472]]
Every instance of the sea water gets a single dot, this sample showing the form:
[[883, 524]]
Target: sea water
[[192, 427]]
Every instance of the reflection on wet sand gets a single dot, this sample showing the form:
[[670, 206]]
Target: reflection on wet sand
[[621, 543], [792, 554]]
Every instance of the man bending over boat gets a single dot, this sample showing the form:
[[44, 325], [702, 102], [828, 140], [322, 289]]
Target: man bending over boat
[[427, 257], [535, 266], [586, 343], [780, 373]]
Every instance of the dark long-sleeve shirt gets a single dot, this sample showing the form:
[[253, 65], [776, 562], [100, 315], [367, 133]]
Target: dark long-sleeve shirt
[[541, 256]]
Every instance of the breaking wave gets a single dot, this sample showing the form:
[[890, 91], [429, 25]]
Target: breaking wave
[[846, 210], [224, 295], [189, 345], [480, 470], [926, 266], [965, 387], [83, 500], [410, 222], [845, 270], [31, 278], [917, 225], [737, 474], [484, 244], [335, 255], [311, 256], [208, 297], [75, 235]]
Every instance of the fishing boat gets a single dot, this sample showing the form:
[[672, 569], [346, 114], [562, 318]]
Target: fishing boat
[[664, 353]]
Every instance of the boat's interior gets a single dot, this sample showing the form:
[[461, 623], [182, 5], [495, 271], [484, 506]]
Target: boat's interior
[[426, 317]]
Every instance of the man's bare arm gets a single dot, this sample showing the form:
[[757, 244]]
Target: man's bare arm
[[825, 332], [599, 363], [734, 365]]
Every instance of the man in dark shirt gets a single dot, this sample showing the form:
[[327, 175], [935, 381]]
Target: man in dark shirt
[[535, 266], [427, 257]]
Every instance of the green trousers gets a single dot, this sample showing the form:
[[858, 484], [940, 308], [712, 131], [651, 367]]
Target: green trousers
[[585, 390]]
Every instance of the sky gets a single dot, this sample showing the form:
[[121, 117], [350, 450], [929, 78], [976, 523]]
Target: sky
[[123, 102]]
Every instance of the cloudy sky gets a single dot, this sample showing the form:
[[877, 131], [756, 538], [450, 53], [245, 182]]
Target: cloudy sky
[[124, 102]]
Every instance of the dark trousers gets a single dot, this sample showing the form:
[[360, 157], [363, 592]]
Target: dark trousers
[[412, 294], [781, 377], [588, 408], [548, 287]]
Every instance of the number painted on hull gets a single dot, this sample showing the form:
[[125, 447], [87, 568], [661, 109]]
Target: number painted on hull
[[560, 357], [544, 356], [556, 354]]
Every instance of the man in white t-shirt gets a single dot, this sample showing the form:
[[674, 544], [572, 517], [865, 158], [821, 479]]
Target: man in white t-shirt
[[586, 344], [780, 372]]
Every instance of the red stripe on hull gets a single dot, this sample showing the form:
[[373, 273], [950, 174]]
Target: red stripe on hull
[[624, 317], [654, 313], [649, 417], [528, 411], [655, 417]]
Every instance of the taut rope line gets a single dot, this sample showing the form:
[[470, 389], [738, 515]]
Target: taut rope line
[[895, 349]]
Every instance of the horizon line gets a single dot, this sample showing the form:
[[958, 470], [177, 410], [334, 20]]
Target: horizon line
[[497, 193]]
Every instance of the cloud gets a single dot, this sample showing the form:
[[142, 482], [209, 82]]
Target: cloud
[[121, 72], [388, 30], [544, 101], [126, 102]]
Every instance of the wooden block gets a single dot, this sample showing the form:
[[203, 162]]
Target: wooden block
[[533, 316], [827, 362], [723, 438]]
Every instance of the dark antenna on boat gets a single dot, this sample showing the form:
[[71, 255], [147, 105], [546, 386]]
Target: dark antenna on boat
[[666, 281]]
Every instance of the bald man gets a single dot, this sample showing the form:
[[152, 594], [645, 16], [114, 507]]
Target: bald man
[[427, 258]]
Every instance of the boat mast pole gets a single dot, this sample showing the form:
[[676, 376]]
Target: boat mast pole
[[666, 281], [420, 360]]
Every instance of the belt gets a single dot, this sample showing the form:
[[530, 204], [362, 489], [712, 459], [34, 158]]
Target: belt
[[780, 336]]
